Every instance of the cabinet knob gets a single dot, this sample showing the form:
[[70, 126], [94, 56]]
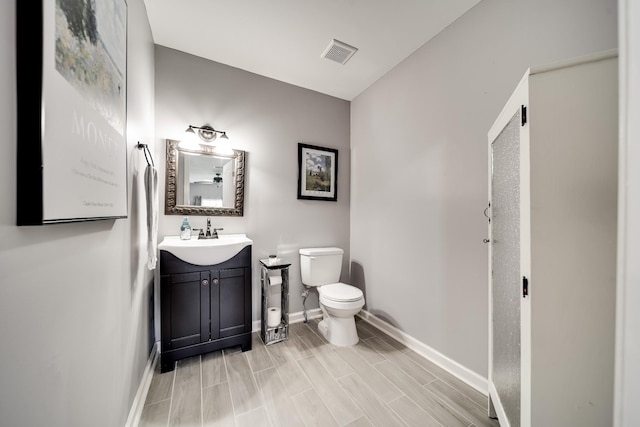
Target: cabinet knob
[[215, 281], [205, 282]]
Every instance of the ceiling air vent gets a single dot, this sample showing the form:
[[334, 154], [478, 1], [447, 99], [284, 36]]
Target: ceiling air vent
[[339, 52]]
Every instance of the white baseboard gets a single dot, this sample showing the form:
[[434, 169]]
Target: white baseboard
[[293, 318], [143, 389], [470, 377]]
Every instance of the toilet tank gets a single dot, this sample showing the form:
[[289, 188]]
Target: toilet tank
[[320, 266]]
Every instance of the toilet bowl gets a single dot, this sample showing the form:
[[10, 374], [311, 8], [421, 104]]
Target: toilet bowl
[[320, 268]]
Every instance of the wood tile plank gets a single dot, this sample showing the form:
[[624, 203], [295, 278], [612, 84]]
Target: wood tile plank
[[368, 353], [361, 422], [465, 406], [401, 360], [412, 414], [313, 326], [258, 356], [343, 409], [323, 351], [285, 363], [312, 411], [297, 347], [393, 342], [383, 388], [444, 414], [217, 409], [365, 330], [186, 401], [244, 392], [376, 410], [255, 418], [277, 402], [213, 369], [449, 378], [155, 414], [296, 329], [161, 385]]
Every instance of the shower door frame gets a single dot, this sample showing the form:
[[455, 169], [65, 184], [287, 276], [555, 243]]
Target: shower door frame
[[518, 99]]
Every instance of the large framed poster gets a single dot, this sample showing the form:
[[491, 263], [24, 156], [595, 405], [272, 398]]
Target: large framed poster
[[71, 58]]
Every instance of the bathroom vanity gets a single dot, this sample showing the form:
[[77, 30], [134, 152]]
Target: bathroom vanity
[[204, 306]]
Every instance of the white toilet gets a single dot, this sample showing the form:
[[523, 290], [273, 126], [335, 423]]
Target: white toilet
[[320, 268]]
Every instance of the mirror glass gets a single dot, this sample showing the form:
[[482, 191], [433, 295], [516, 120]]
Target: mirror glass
[[201, 183]]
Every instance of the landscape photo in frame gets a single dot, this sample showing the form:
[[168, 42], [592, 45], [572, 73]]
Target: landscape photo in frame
[[317, 173]]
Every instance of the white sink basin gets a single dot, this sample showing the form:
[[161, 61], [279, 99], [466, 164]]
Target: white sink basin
[[205, 251]]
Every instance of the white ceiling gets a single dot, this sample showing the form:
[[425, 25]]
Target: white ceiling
[[284, 39]]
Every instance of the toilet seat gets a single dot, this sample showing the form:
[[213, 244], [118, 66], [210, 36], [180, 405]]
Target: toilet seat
[[340, 292]]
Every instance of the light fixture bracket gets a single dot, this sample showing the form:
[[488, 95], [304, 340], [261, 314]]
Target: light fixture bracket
[[206, 132]]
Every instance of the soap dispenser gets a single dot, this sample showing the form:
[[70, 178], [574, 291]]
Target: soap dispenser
[[185, 229]]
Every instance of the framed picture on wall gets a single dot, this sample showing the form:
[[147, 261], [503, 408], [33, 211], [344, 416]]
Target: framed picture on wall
[[71, 58], [317, 173]]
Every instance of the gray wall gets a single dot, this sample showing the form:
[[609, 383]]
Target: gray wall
[[74, 298], [418, 251], [267, 119]]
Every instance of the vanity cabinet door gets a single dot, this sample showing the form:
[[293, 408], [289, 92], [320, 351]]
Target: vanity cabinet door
[[185, 306], [231, 304]]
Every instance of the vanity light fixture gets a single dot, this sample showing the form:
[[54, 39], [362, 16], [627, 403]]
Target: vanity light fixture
[[206, 133], [209, 135]]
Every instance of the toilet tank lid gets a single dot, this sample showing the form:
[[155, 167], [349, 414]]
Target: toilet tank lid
[[321, 251]]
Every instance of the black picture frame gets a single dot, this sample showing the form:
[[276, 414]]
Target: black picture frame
[[317, 173], [71, 83]]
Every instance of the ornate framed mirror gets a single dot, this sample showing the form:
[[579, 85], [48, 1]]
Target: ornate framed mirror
[[198, 182]]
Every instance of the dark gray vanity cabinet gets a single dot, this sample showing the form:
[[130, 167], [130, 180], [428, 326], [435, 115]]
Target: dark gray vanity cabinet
[[203, 308]]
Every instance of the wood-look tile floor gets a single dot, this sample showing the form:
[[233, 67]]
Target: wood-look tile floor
[[306, 381]]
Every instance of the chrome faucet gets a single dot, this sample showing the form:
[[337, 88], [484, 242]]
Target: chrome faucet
[[209, 234]]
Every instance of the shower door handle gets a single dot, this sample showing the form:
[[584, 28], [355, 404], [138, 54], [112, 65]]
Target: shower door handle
[[486, 214]]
